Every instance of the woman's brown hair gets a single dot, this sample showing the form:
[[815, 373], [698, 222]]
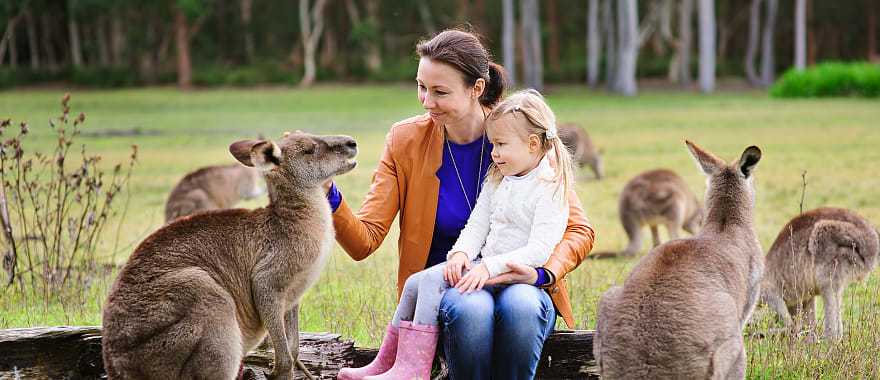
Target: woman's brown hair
[[463, 50]]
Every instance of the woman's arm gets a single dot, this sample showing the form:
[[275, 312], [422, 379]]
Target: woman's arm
[[361, 233]]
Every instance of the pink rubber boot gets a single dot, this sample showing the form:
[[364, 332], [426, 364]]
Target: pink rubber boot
[[383, 361], [415, 353]]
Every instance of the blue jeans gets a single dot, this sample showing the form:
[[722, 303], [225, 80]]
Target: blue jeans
[[497, 332]]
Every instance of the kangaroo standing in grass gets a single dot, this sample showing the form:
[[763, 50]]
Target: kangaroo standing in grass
[[581, 147], [212, 188], [818, 253], [201, 292], [681, 311], [653, 198]]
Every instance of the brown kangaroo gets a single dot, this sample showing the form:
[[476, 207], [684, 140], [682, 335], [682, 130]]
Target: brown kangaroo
[[681, 311], [212, 188], [583, 152], [199, 293], [657, 197], [818, 253]]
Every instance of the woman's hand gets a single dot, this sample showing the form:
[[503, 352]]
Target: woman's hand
[[519, 274], [474, 280], [455, 266]]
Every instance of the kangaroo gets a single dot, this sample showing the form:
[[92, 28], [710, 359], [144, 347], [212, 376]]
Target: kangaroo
[[657, 197], [583, 152], [199, 293], [212, 188], [818, 253], [681, 311]]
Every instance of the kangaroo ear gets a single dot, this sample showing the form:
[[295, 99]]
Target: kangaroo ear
[[265, 155], [749, 159], [707, 161], [241, 150]]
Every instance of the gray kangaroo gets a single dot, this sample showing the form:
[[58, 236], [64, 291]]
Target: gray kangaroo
[[681, 311], [818, 253], [583, 152], [653, 198], [212, 188], [199, 293]]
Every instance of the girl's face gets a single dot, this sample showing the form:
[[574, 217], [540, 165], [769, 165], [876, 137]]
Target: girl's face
[[513, 152], [443, 92]]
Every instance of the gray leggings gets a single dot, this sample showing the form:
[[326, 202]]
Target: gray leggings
[[420, 300]]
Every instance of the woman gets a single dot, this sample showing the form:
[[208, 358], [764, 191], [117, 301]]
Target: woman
[[431, 171]]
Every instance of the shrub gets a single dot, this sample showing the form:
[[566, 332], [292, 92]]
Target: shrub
[[830, 79]]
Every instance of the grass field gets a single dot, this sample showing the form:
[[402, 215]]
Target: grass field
[[834, 140]]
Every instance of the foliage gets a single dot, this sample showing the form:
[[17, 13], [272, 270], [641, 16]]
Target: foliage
[[829, 80]]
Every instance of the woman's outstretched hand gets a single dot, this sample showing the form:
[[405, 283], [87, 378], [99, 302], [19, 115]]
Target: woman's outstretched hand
[[455, 266], [474, 280], [519, 274]]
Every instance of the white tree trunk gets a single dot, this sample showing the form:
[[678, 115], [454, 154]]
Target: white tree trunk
[[246, 7], [73, 34], [33, 42], [310, 36], [508, 40], [117, 39], [594, 43], [533, 65], [628, 35], [800, 34], [685, 22], [706, 9], [609, 27], [374, 52], [752, 47], [768, 74]]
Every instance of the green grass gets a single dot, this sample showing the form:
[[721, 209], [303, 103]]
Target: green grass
[[834, 140]]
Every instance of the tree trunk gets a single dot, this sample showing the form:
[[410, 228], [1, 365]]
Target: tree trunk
[[871, 12], [508, 38], [103, 41], [73, 34], [374, 51], [46, 40], [768, 73], [800, 34], [752, 47], [685, 44], [706, 9], [462, 11], [33, 42], [594, 43], [311, 35], [7, 41], [246, 15], [117, 38], [425, 16], [610, 31], [628, 34], [553, 57], [181, 41], [533, 60]]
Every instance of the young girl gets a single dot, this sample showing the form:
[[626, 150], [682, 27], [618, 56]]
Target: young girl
[[519, 217]]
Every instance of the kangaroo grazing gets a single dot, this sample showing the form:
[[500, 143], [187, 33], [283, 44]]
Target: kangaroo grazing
[[681, 311], [198, 294], [653, 198], [818, 253], [581, 147], [212, 188]]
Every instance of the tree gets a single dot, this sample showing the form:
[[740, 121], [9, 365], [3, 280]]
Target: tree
[[685, 15], [73, 34], [706, 9], [768, 72], [800, 33], [752, 47], [181, 42], [365, 32], [247, 7], [610, 30], [533, 60], [553, 48], [33, 44], [628, 34], [508, 39], [594, 43], [311, 26]]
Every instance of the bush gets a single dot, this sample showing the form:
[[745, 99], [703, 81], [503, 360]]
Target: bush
[[243, 75], [104, 76], [830, 79]]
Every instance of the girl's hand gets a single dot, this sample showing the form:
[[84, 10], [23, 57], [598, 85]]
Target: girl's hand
[[474, 280], [519, 274], [455, 266]]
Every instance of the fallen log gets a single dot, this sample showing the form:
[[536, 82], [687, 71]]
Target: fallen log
[[75, 353]]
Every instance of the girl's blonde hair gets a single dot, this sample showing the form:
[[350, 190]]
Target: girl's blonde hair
[[534, 117]]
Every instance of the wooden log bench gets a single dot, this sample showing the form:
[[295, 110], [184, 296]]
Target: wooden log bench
[[75, 353]]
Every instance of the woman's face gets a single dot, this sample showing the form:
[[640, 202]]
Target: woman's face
[[443, 92]]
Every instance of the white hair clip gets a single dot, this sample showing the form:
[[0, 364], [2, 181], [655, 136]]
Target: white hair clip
[[551, 133]]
